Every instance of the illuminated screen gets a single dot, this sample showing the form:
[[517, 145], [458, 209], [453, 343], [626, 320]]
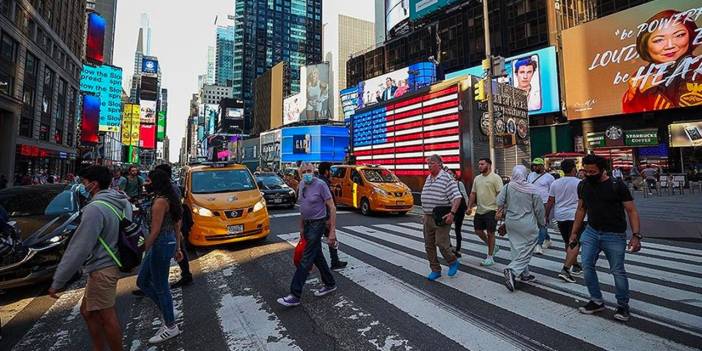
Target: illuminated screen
[[314, 144], [148, 111], [147, 136], [95, 41], [105, 81], [395, 84], [90, 118]]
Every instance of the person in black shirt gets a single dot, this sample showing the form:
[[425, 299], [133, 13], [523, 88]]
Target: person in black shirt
[[605, 200], [324, 171]]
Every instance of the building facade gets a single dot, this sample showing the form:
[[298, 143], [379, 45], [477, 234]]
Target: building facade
[[267, 33], [269, 93], [41, 49], [212, 94], [224, 58]]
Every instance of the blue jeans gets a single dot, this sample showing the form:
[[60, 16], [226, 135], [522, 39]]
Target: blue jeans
[[313, 232], [543, 235], [592, 242], [153, 275]]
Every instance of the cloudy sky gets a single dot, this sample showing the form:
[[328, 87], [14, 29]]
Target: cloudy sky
[[180, 36]]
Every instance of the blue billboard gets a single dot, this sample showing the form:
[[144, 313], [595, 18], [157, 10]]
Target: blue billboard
[[105, 82], [535, 72], [314, 144], [149, 65]]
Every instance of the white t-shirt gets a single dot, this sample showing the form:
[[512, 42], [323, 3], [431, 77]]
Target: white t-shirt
[[565, 191], [542, 182]]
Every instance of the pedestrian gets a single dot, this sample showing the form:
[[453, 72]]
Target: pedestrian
[[605, 202], [542, 181], [581, 174], [440, 201], [162, 244], [486, 186], [316, 210], [563, 200], [460, 214], [324, 170], [523, 211], [98, 221], [118, 182], [617, 173], [650, 175], [135, 183]]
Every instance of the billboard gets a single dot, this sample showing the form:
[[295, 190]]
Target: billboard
[[95, 39], [211, 117], [148, 88], [149, 65], [161, 126], [314, 143], [396, 11], [147, 136], [148, 112], [685, 134], [315, 87], [421, 8], [89, 119], [131, 121], [349, 101], [293, 108], [105, 82], [535, 72], [645, 58], [395, 84]]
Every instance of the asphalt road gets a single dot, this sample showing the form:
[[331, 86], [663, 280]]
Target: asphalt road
[[383, 301]]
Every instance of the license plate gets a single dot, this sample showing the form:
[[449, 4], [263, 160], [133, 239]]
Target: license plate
[[400, 202], [235, 229], [277, 201]]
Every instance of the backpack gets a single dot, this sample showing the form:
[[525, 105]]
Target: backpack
[[129, 253]]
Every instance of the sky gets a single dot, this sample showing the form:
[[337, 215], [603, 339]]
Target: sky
[[181, 32]]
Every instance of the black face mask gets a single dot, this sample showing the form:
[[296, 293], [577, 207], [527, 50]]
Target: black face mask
[[594, 179]]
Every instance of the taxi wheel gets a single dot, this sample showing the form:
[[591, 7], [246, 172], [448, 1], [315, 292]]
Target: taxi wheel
[[365, 207]]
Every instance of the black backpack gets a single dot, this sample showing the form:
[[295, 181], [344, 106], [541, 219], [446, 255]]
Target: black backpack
[[129, 253]]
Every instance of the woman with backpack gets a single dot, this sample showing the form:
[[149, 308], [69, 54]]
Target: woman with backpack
[[162, 244]]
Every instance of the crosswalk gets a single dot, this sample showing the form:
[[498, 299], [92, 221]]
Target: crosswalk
[[385, 303]]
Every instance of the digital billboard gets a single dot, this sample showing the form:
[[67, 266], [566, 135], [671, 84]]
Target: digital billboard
[[395, 84], [349, 101], [95, 39], [148, 112], [147, 136], [293, 108], [211, 117], [149, 65], [89, 119], [148, 88], [315, 87], [314, 143], [105, 82], [645, 58], [131, 121], [685, 134], [396, 11], [161, 126], [421, 8], [535, 72]]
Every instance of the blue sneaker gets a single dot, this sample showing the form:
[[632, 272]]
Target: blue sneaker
[[453, 268], [325, 290], [289, 301], [433, 276]]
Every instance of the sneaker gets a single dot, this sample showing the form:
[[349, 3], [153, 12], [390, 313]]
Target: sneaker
[[138, 292], [487, 262], [576, 270], [509, 279], [456, 252], [164, 334], [453, 268], [339, 265], [528, 278], [325, 290], [592, 307], [538, 250], [434, 276], [184, 281], [546, 244], [622, 314], [566, 276], [289, 301]]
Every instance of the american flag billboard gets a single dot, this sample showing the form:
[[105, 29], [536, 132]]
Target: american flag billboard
[[401, 135]]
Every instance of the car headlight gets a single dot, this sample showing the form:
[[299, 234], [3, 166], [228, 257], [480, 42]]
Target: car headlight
[[259, 205], [292, 192], [381, 191], [201, 211]]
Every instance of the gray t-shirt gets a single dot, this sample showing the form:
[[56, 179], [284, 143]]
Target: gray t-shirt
[[312, 198]]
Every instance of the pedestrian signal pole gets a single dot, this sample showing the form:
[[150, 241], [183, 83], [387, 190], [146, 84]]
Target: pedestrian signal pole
[[487, 65]]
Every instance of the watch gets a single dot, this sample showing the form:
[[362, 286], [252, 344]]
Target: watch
[[637, 235]]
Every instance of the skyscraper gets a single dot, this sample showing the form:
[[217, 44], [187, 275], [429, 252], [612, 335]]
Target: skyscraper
[[224, 59], [146, 25], [266, 33], [210, 77]]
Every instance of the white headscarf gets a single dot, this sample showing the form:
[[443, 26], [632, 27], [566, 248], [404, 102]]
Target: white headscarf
[[519, 182]]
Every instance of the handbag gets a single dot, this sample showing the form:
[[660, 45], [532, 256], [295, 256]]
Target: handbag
[[502, 214], [299, 251], [439, 212]]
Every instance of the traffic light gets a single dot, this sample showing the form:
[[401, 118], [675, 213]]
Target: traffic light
[[479, 90]]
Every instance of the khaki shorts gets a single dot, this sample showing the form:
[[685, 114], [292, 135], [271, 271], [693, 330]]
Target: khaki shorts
[[101, 289]]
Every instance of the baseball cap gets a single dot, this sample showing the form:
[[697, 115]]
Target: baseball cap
[[538, 161]]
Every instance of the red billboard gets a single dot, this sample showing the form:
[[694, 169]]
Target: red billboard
[[95, 40], [147, 136], [89, 121]]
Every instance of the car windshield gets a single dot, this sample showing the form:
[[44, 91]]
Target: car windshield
[[224, 181], [379, 176], [271, 182], [37, 200]]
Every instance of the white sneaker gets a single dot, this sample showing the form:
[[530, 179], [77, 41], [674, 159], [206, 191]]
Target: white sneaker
[[547, 244], [164, 334], [538, 250]]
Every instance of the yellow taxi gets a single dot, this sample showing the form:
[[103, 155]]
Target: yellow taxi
[[225, 204], [371, 189]]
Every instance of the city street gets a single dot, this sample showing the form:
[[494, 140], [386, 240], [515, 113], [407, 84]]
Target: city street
[[383, 301]]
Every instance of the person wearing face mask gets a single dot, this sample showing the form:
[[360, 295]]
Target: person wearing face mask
[[607, 203], [317, 208], [97, 221]]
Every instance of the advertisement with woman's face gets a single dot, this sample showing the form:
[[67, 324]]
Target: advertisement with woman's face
[[646, 58]]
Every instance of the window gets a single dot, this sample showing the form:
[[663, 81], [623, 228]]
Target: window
[[8, 48], [7, 83], [338, 172]]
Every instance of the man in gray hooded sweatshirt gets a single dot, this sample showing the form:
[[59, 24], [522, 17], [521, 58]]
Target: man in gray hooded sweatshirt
[[97, 220]]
